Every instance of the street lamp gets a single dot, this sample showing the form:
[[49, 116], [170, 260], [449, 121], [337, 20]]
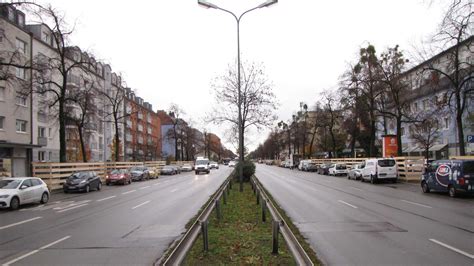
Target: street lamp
[[267, 3]]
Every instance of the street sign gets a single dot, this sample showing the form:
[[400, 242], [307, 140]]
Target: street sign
[[470, 138]]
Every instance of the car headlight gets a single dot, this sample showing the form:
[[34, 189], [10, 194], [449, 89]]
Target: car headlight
[[3, 196], [83, 181]]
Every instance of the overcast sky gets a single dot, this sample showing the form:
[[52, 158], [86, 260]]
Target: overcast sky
[[169, 51]]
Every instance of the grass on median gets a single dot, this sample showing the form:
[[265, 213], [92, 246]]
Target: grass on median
[[240, 237]]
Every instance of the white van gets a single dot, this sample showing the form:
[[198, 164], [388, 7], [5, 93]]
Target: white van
[[379, 169]]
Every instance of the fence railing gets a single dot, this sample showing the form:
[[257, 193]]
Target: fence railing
[[54, 174]]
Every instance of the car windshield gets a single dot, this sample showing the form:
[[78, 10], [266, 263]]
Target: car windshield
[[341, 167], [9, 184], [202, 162], [468, 168], [81, 175], [386, 163], [115, 172]]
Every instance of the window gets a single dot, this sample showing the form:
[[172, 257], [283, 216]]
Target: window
[[50, 130], [45, 37], [20, 73], [2, 93], [402, 131], [21, 126], [36, 182], [21, 19], [415, 107], [41, 132], [447, 121], [21, 99], [101, 143], [41, 156], [2, 121], [11, 14], [21, 46], [50, 156], [27, 183], [426, 104]]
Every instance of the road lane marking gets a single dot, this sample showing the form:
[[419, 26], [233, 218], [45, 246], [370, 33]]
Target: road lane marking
[[144, 187], [106, 198], [128, 192], [348, 204], [418, 204], [35, 251], [141, 204], [174, 190], [72, 208], [18, 223], [156, 184], [71, 204], [452, 248], [357, 188]]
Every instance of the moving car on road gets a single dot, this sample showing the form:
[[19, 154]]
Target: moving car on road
[[16, 191], [356, 172], [139, 173], [337, 169], [379, 169], [82, 181], [187, 168], [202, 165], [118, 176], [213, 165], [452, 176]]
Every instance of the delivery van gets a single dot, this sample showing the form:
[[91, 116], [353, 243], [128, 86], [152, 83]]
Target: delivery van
[[452, 176]]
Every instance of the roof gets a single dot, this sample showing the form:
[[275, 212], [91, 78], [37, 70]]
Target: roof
[[19, 178]]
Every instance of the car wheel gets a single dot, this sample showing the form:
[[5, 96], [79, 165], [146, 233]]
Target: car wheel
[[425, 188], [44, 198], [14, 203], [349, 177], [107, 183], [99, 186], [88, 188], [197, 173], [452, 192]]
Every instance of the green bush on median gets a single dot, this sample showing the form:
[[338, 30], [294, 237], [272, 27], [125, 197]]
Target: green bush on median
[[248, 170]]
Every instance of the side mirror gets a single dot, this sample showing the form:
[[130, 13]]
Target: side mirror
[[23, 187]]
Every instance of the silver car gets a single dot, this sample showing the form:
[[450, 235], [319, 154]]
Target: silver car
[[356, 172]]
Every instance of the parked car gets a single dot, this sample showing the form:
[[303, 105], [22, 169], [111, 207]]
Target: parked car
[[187, 168], [118, 176], [168, 170], [202, 165], [16, 191], [282, 163], [232, 163], [153, 172], [139, 173], [452, 176], [324, 169], [338, 169], [356, 172], [303, 164], [311, 167], [379, 169], [177, 168], [82, 181], [213, 165]]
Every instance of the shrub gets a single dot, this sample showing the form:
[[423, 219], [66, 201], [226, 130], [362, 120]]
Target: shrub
[[248, 169]]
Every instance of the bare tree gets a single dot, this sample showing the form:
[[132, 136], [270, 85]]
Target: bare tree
[[176, 112], [258, 100], [456, 30], [426, 134], [332, 116]]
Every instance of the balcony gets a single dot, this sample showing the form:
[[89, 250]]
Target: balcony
[[42, 141]]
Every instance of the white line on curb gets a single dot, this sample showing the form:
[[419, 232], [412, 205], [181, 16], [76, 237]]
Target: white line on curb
[[348, 204], [452, 248], [106, 198], [35, 251], [128, 192], [22, 222], [141, 204], [418, 204]]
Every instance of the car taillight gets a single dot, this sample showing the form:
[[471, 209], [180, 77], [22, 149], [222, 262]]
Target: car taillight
[[461, 181]]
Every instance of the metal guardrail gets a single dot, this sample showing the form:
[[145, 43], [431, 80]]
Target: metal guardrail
[[179, 252], [280, 224]]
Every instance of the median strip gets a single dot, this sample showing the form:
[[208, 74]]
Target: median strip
[[18, 223]]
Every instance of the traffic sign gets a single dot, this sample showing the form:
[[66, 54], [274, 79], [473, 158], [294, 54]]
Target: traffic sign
[[470, 138]]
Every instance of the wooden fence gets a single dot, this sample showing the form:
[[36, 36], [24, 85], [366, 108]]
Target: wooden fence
[[54, 174]]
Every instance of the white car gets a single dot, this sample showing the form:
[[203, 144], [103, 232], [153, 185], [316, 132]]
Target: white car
[[232, 163], [16, 191], [380, 169], [338, 169], [201, 165], [186, 168], [213, 165]]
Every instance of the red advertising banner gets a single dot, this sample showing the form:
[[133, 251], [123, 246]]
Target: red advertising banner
[[389, 146]]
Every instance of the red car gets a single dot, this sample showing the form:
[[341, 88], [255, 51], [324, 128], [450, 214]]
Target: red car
[[118, 176]]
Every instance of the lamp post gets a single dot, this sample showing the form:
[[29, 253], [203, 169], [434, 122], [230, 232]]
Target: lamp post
[[240, 128]]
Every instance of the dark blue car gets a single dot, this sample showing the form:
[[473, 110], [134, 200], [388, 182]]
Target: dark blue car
[[452, 176]]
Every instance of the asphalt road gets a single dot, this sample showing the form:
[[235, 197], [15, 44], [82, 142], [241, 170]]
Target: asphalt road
[[120, 225], [349, 222]]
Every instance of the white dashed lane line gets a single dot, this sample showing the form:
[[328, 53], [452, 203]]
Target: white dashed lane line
[[125, 193], [111, 197], [141, 204], [348, 204], [72, 208], [452, 248], [18, 223], [417, 204], [144, 187]]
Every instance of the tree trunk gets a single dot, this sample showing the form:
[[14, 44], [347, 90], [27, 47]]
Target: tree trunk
[[83, 146], [62, 133], [117, 140], [333, 140], [399, 135]]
